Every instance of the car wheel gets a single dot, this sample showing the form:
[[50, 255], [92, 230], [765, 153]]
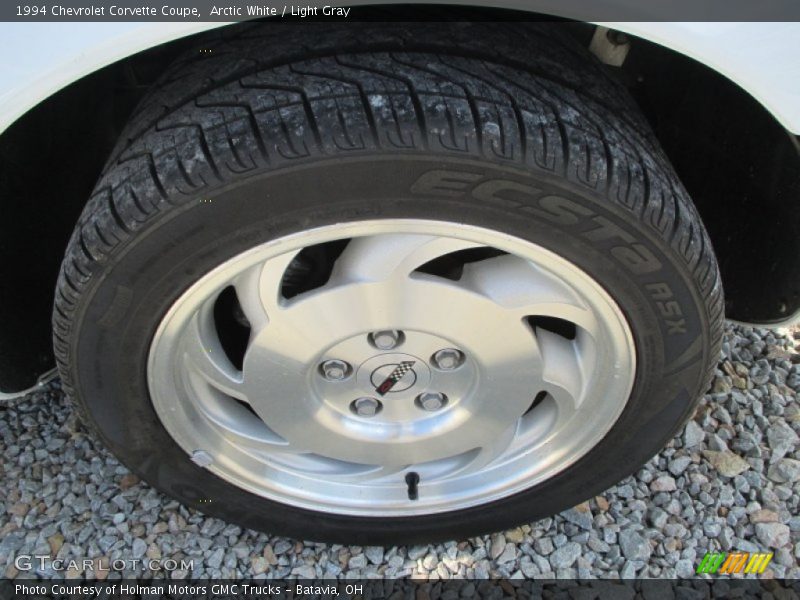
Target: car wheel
[[387, 296]]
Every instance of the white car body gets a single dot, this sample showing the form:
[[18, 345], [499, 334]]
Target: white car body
[[762, 58]]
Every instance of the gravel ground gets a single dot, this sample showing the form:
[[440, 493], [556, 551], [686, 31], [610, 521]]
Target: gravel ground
[[730, 481]]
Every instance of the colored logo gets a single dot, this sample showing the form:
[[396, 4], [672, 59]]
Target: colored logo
[[395, 376], [722, 563]]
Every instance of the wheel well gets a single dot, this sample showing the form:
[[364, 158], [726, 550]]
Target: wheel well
[[740, 166], [50, 160], [742, 170]]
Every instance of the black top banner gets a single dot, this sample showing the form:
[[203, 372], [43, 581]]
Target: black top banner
[[244, 10]]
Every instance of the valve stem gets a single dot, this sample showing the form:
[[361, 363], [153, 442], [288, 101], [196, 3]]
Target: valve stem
[[412, 479]]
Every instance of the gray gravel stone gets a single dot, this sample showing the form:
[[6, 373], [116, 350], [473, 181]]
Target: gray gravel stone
[[498, 545], [658, 518], [543, 546], [665, 483], [139, 548], [773, 535], [565, 556], [726, 463], [679, 465], [786, 470], [214, 559], [693, 434], [633, 545], [374, 554], [304, 572], [628, 571], [782, 439], [509, 554], [685, 568], [358, 562], [581, 517]]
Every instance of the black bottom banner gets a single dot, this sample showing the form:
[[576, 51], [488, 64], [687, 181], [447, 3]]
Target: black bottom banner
[[403, 589]]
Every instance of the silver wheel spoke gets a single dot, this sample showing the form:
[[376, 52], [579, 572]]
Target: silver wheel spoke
[[240, 424], [314, 465], [387, 473], [248, 292], [258, 289], [528, 290], [333, 311], [271, 278], [205, 357], [563, 375], [493, 449], [378, 258]]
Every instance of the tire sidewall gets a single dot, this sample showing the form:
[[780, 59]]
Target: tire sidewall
[[121, 309]]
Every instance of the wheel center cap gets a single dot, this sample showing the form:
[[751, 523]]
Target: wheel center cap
[[392, 378], [393, 375]]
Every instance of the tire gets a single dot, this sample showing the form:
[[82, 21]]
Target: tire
[[231, 153]]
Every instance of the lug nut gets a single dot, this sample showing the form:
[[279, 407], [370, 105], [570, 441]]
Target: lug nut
[[386, 340], [448, 359], [366, 407], [334, 370], [431, 401]]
